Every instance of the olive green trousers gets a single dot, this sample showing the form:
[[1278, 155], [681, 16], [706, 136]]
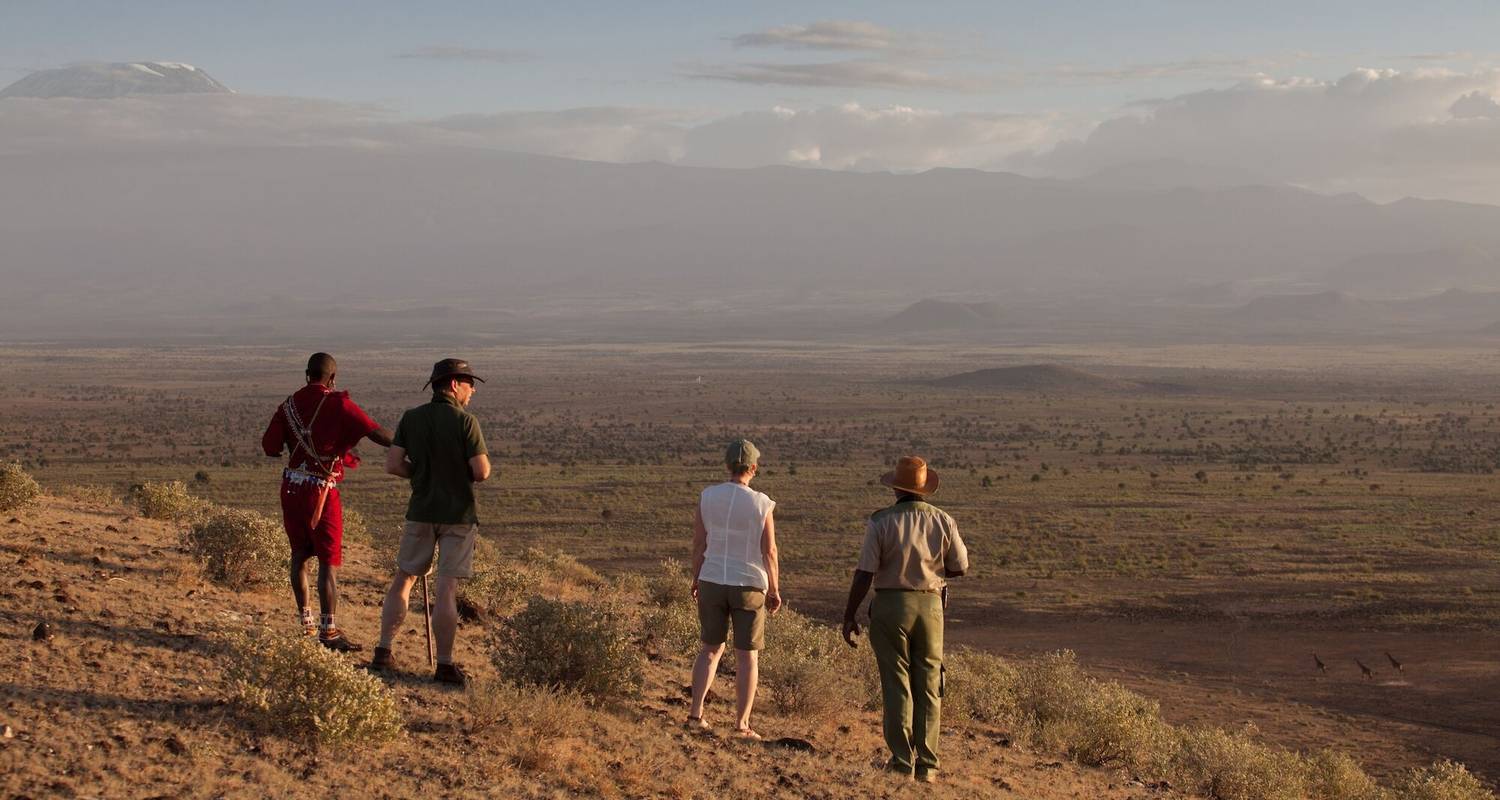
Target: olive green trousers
[[906, 633]]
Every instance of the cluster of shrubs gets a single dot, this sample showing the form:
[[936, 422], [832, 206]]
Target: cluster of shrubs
[[17, 488], [167, 500], [295, 687], [1052, 703]]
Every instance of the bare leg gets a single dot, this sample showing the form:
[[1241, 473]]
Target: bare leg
[[445, 617], [746, 678], [393, 610], [299, 576], [328, 588], [704, 670]]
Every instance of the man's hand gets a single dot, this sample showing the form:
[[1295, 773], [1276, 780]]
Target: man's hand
[[773, 602], [695, 588], [851, 630]]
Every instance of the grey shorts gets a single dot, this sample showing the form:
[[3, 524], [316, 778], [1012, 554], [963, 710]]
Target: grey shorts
[[746, 605], [453, 544]]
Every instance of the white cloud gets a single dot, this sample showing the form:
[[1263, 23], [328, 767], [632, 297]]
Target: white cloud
[[856, 74], [839, 35], [1380, 132]]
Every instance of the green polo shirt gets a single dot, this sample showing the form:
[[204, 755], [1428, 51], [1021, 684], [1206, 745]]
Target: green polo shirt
[[439, 439]]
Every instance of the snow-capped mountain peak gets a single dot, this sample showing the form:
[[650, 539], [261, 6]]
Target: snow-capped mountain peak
[[98, 81]]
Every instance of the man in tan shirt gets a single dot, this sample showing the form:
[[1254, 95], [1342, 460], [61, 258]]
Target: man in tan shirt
[[910, 550]]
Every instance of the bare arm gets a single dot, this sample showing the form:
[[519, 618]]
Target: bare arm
[[396, 463], [773, 565], [700, 546], [857, 591], [380, 436], [479, 468]]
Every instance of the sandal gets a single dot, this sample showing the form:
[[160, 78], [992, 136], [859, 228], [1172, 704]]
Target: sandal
[[696, 724], [748, 734]]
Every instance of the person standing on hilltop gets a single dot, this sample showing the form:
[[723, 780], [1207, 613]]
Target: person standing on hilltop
[[736, 576], [910, 550], [440, 448], [320, 428]]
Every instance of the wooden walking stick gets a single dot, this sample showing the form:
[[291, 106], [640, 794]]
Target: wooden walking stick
[[427, 612]]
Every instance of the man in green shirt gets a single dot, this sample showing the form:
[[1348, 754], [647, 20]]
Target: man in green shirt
[[440, 449], [910, 550]]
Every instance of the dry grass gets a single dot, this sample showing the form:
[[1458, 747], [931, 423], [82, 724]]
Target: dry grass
[[17, 488], [292, 686], [536, 724], [582, 646]]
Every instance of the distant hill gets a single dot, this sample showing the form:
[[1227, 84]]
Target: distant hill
[[1034, 378], [1410, 274], [943, 315], [1319, 308], [103, 81]]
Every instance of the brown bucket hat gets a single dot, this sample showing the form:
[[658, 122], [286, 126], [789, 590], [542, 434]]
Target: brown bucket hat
[[451, 368], [912, 475]]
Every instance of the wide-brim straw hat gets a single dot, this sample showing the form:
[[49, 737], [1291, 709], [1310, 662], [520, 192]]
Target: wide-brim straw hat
[[912, 475]]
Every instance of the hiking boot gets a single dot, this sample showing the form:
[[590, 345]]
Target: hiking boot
[[381, 658], [927, 776], [451, 674], [334, 639]]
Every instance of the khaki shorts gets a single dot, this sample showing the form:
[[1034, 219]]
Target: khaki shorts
[[744, 604], [454, 545]]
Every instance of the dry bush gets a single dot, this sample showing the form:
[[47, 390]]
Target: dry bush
[[16, 487], [671, 630], [167, 500], [586, 647], [1097, 722], [293, 686], [808, 669], [534, 722], [239, 548], [1337, 776], [981, 688], [498, 586], [1228, 766], [356, 527], [564, 567], [88, 493], [670, 585], [1444, 780]]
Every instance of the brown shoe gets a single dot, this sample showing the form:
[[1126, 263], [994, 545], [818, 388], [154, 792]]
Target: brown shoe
[[451, 674], [381, 658], [926, 776], [334, 639]]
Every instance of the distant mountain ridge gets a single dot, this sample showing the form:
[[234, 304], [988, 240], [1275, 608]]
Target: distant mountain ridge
[[104, 81]]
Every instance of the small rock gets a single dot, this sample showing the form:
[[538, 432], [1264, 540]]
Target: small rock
[[174, 745], [62, 597], [111, 529], [15, 521], [42, 632]]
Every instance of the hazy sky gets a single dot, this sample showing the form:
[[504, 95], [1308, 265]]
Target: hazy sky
[[1333, 95]]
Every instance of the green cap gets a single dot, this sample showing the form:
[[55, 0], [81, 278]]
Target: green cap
[[742, 453]]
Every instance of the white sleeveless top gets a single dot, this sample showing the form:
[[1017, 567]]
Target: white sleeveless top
[[735, 516]]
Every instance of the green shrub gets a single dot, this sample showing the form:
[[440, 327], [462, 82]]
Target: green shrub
[[1444, 780], [1098, 723], [672, 629], [1227, 766], [239, 548], [17, 488], [981, 688], [167, 500], [808, 669], [293, 686], [586, 647]]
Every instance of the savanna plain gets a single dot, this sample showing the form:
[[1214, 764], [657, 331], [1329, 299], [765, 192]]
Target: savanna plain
[[1298, 544]]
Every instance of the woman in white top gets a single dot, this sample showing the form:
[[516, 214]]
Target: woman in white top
[[735, 577]]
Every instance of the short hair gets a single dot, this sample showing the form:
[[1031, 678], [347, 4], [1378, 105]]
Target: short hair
[[740, 469], [321, 365]]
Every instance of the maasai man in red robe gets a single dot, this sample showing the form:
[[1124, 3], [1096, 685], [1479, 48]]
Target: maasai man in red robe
[[319, 428]]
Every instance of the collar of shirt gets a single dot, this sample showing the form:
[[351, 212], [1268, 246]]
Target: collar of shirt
[[447, 398]]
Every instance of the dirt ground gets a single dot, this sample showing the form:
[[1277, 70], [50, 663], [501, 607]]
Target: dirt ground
[[126, 701]]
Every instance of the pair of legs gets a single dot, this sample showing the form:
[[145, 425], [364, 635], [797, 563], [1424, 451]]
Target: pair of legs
[[328, 580], [717, 606], [444, 612], [746, 679], [906, 633]]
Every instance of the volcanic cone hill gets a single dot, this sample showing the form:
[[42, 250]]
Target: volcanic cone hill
[[1035, 378], [942, 315]]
